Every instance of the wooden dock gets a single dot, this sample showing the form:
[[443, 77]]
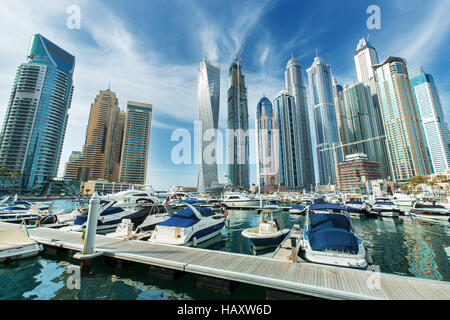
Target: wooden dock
[[302, 278]]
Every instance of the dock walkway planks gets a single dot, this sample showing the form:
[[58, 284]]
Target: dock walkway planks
[[303, 278]]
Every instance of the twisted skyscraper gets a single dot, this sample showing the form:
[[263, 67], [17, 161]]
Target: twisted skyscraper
[[208, 114]]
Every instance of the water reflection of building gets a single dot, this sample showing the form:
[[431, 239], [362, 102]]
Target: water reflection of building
[[421, 258]]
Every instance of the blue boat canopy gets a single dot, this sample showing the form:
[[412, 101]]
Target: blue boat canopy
[[326, 206], [186, 218], [298, 207], [387, 203]]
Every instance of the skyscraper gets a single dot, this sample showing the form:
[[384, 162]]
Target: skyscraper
[[100, 154], [365, 57], [267, 146], [136, 141], [405, 142], [324, 113], [362, 125], [208, 114], [344, 132], [290, 151], [295, 85], [35, 123], [237, 129], [432, 118]]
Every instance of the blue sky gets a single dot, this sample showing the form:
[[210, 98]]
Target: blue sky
[[150, 51]]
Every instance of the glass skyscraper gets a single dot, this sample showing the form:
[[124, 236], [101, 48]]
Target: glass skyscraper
[[324, 113], [208, 114], [405, 142], [295, 85], [432, 119], [290, 151], [362, 125], [267, 146], [237, 129], [35, 122]]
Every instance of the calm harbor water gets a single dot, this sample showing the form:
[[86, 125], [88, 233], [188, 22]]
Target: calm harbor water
[[400, 246]]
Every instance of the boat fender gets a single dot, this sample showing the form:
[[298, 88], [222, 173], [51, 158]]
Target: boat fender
[[194, 241], [83, 236], [225, 214]]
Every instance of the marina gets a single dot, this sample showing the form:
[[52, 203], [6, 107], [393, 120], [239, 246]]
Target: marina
[[212, 266]]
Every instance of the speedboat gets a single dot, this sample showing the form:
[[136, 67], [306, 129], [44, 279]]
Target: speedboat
[[355, 206], [306, 201], [188, 227], [298, 209], [16, 244], [384, 207], [237, 199], [109, 218], [24, 210], [329, 238], [430, 209], [268, 232]]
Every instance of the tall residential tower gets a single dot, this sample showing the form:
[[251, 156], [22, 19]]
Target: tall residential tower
[[35, 122], [324, 112], [237, 129], [208, 114], [405, 142], [295, 86]]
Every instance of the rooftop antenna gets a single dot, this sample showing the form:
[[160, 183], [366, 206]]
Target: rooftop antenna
[[368, 36], [292, 55], [317, 53], [109, 86]]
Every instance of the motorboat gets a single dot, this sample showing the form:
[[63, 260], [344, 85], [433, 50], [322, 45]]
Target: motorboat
[[131, 198], [22, 210], [267, 234], [189, 227], [384, 207], [404, 201], [15, 244], [271, 206], [329, 238], [239, 200], [355, 205], [430, 209], [298, 209], [305, 201], [109, 218]]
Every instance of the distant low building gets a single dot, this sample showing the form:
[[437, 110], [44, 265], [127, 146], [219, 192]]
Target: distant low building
[[105, 187], [355, 173]]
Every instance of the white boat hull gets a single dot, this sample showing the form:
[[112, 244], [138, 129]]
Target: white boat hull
[[242, 204], [20, 253]]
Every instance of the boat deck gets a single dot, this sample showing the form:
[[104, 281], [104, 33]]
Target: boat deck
[[302, 278]]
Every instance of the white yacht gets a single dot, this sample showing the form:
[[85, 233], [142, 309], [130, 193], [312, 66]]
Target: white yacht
[[238, 199], [430, 209], [355, 205], [384, 207], [188, 227], [404, 201]]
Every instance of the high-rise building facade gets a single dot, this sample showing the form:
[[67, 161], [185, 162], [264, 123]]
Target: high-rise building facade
[[100, 153], [290, 151], [237, 129], [136, 143], [295, 85], [344, 132], [432, 119], [324, 113], [365, 57], [405, 142], [35, 122], [208, 114], [267, 146], [362, 125]]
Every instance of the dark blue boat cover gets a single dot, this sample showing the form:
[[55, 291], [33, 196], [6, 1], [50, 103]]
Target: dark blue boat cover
[[388, 203], [319, 200], [354, 202], [193, 201], [334, 239], [328, 220], [186, 218], [326, 206], [298, 207]]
